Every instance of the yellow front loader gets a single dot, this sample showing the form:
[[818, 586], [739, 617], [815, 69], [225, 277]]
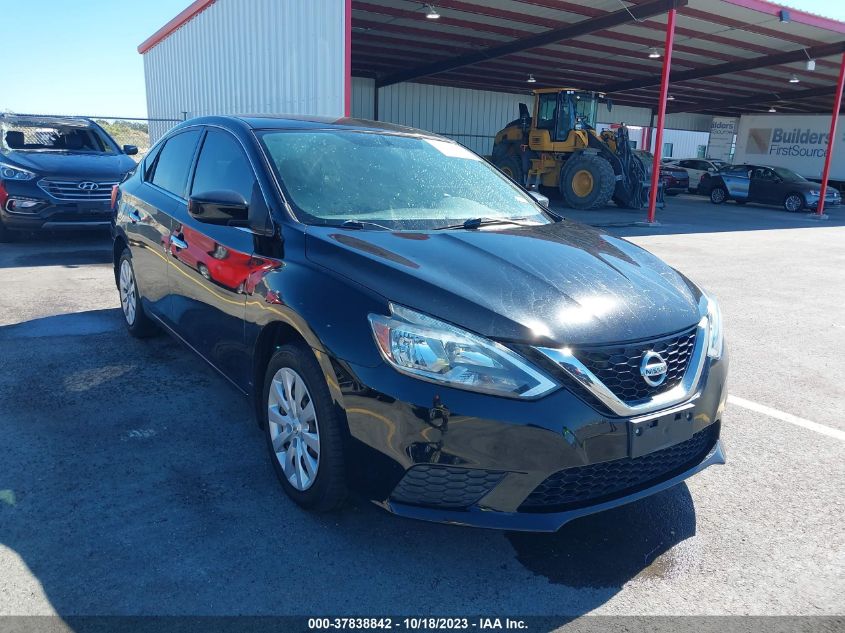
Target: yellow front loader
[[559, 147]]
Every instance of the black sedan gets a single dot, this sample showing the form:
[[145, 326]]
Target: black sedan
[[768, 185], [410, 323]]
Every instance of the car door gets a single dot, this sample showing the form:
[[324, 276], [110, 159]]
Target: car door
[[763, 187], [694, 170], [211, 263], [150, 212]]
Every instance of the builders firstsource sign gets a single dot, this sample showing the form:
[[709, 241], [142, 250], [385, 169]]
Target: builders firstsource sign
[[795, 141]]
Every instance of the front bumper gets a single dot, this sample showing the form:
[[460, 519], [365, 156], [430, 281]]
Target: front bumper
[[476, 516], [479, 458], [49, 213]]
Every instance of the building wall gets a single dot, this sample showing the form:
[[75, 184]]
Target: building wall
[[473, 117], [249, 56]]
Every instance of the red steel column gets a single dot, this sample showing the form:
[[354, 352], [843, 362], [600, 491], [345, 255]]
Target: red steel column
[[347, 58], [661, 114], [834, 118]]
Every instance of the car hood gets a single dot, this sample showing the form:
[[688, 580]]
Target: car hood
[[72, 164], [555, 284], [806, 185]]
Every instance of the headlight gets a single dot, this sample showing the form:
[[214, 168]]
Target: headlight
[[815, 193], [432, 350], [716, 336], [9, 172]]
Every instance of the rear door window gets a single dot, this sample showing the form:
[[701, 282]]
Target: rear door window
[[223, 166], [174, 162]]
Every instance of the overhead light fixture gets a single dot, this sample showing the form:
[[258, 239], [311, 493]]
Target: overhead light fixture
[[811, 64], [794, 79], [653, 53], [531, 79], [772, 110], [670, 98], [431, 12]]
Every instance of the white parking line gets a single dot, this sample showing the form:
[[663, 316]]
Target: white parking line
[[787, 417]]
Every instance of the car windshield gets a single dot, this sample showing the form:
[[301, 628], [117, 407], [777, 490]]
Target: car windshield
[[42, 135], [397, 181], [788, 175]]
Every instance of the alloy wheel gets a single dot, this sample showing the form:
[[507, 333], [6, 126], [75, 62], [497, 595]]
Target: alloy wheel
[[127, 292], [293, 428], [793, 203], [717, 195]]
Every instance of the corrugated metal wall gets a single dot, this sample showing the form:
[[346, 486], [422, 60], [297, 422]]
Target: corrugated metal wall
[[250, 56], [473, 117]]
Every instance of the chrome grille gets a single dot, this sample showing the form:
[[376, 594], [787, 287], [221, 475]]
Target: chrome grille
[[618, 366], [70, 191]]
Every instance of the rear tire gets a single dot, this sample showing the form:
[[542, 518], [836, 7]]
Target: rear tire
[[718, 195], [587, 181], [299, 416], [511, 166], [136, 320]]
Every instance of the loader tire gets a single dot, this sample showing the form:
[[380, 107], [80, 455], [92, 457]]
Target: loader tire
[[511, 166], [587, 181]]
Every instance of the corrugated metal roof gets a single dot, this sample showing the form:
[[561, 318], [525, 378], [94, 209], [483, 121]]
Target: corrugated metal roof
[[390, 36]]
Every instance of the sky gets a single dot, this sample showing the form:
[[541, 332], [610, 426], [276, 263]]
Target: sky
[[81, 58]]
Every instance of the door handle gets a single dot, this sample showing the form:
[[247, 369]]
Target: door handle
[[178, 242], [134, 216]]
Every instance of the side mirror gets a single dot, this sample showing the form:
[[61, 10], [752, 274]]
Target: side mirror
[[130, 150], [219, 207], [542, 200]]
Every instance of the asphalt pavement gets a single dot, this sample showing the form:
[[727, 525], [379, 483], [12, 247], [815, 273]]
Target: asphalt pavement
[[133, 479]]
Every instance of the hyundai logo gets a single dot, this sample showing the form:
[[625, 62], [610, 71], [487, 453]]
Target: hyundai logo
[[88, 186], [653, 368]]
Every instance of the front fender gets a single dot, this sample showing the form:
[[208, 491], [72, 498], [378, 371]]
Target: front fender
[[328, 311]]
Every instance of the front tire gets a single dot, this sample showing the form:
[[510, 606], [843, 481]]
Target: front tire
[[793, 202], [587, 181], [718, 195], [302, 430], [136, 320]]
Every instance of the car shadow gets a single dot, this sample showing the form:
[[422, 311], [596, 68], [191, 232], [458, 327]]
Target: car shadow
[[134, 480], [70, 249], [687, 214]]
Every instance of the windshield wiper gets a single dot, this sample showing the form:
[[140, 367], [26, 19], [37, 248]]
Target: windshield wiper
[[357, 225], [474, 223]]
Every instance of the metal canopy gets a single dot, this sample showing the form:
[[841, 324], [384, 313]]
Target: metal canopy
[[730, 56]]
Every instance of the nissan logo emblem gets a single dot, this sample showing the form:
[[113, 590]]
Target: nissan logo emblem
[[653, 368], [88, 186]]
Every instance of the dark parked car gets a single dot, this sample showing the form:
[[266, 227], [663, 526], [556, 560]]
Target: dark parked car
[[769, 185], [675, 179], [410, 323], [57, 173]]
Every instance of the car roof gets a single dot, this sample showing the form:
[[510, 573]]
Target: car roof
[[296, 122], [35, 120]]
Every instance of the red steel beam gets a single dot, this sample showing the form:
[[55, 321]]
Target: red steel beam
[[831, 139], [661, 114]]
